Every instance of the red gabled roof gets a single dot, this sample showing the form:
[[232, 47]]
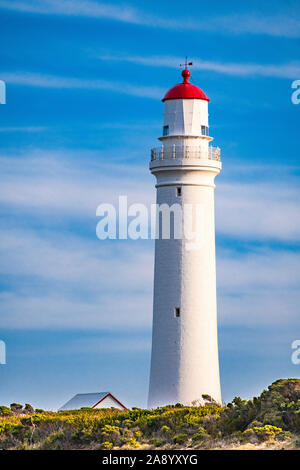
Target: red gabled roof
[[114, 398], [185, 90]]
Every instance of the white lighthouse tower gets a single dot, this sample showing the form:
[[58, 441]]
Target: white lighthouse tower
[[184, 361]]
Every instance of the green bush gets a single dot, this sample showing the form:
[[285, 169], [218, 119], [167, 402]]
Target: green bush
[[263, 433], [16, 408], [156, 443], [180, 438], [5, 411], [248, 436], [107, 445], [165, 429], [54, 441], [28, 408], [199, 435], [131, 443], [284, 436]]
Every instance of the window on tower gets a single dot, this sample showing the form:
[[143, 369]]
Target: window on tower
[[179, 191], [166, 130], [177, 312], [204, 130]]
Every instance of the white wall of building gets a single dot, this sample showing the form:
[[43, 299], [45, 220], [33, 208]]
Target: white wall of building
[[109, 402]]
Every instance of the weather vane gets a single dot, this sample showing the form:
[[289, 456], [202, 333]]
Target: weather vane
[[186, 63]]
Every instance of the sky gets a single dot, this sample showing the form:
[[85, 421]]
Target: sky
[[84, 82]]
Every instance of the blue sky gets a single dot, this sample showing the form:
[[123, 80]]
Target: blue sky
[[84, 84]]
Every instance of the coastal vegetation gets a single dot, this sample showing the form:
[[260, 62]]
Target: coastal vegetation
[[271, 420]]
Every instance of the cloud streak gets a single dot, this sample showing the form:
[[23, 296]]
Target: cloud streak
[[258, 287], [60, 279], [67, 281], [286, 24], [288, 70], [75, 282], [23, 129], [56, 82], [50, 182], [265, 210]]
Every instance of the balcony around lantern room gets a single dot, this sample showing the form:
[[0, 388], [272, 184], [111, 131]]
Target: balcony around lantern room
[[185, 153]]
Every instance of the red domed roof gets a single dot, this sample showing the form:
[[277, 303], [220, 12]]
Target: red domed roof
[[185, 90]]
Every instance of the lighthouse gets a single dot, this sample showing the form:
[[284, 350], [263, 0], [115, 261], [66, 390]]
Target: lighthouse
[[184, 359]]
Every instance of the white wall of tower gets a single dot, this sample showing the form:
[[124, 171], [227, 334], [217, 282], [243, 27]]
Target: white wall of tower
[[185, 117], [184, 350], [184, 363]]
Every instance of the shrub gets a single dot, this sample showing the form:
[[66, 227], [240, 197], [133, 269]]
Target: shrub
[[53, 441], [199, 435], [255, 423], [284, 436], [127, 433], [165, 430], [180, 438], [27, 421], [263, 433], [249, 435], [131, 443], [28, 408], [156, 443], [5, 411], [16, 408], [110, 433], [266, 432], [209, 399], [107, 445], [128, 423]]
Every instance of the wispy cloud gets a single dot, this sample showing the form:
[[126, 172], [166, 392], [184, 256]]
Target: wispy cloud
[[23, 129], [91, 9], [52, 81], [288, 70], [258, 210], [74, 282], [285, 24], [50, 181], [64, 280], [95, 343], [258, 287]]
